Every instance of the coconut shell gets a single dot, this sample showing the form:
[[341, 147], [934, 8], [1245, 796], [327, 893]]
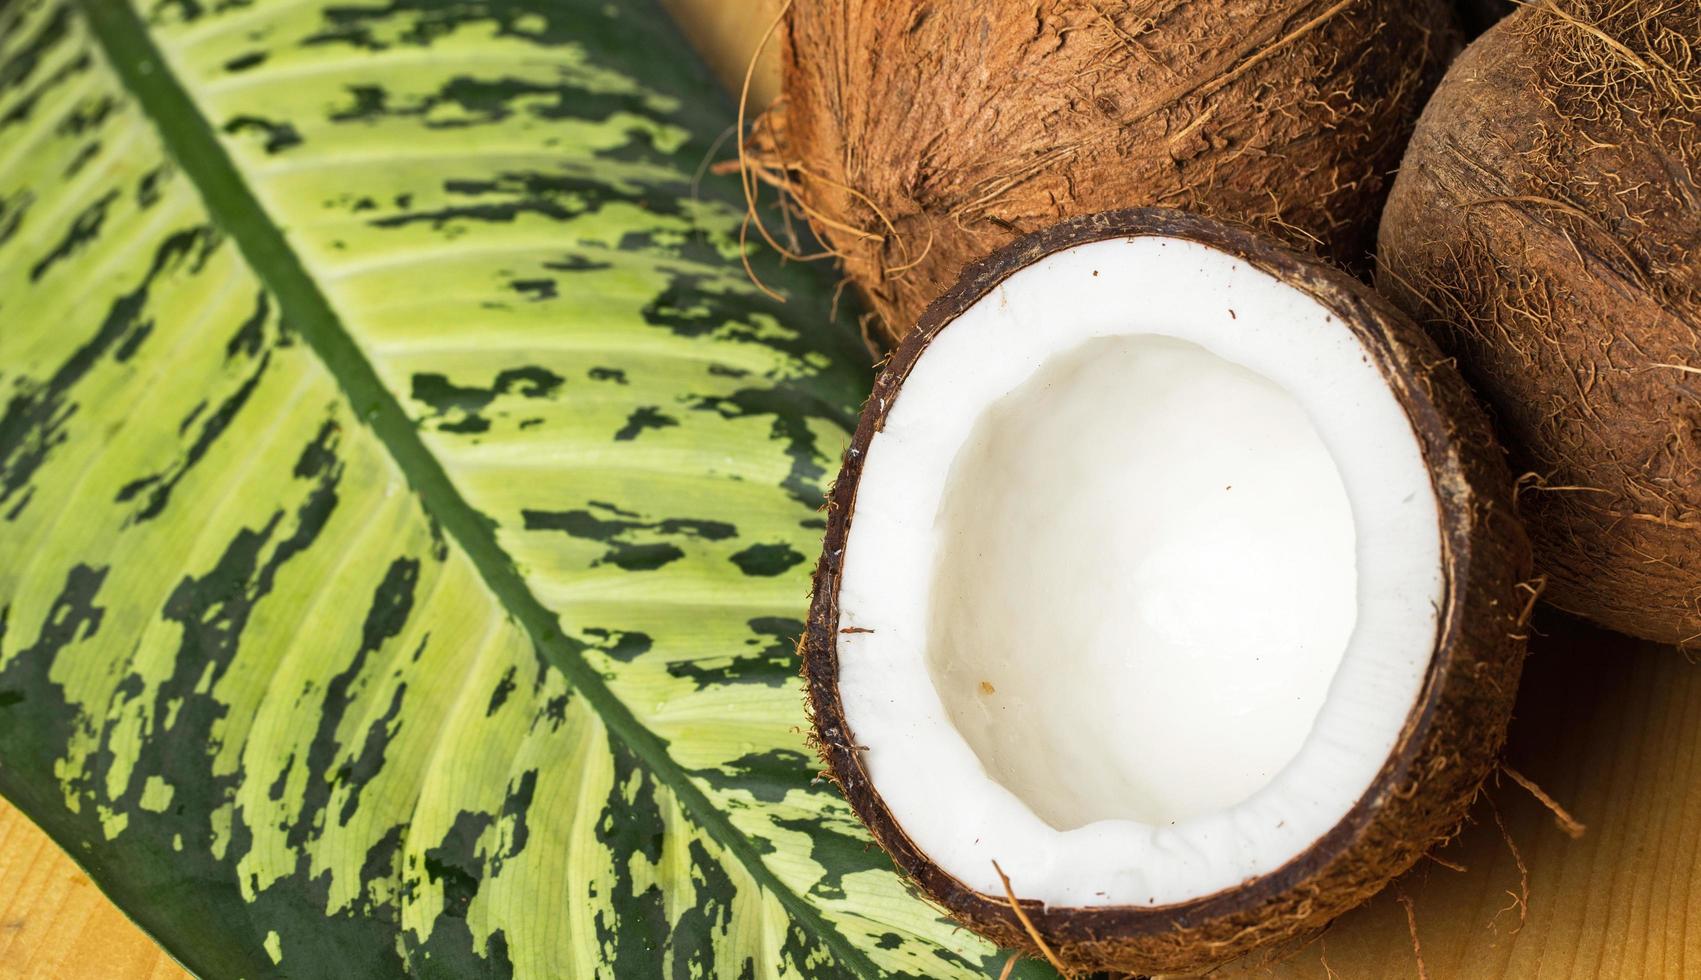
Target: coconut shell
[[1451, 739], [918, 137], [1547, 226]]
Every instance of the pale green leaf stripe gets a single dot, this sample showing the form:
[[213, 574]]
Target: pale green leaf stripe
[[241, 671]]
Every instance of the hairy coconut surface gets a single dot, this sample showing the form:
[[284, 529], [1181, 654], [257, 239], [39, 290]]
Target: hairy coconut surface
[[920, 136], [1547, 225], [1410, 722]]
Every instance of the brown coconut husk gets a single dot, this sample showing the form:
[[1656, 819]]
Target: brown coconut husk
[[919, 137], [1547, 227], [1452, 737]]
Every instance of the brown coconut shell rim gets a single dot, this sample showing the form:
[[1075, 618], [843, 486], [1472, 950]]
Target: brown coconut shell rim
[[1482, 545]]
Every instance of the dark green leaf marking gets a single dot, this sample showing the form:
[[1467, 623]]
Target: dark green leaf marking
[[35, 417], [636, 545], [767, 559], [276, 136], [461, 406]]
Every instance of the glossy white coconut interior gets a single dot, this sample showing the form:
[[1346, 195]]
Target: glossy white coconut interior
[[1145, 573], [1151, 561]]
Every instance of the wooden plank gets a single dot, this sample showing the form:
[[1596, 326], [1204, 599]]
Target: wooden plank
[[727, 34], [56, 925]]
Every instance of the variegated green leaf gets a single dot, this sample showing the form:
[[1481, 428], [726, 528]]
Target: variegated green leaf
[[406, 502]]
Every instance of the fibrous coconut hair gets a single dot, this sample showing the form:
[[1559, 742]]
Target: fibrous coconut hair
[[917, 137], [1547, 226]]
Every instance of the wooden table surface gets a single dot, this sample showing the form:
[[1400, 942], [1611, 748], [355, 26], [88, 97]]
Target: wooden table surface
[[56, 925]]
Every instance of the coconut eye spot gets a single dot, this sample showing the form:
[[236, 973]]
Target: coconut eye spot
[[1145, 584]]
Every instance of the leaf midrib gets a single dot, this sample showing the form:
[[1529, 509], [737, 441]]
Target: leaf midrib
[[188, 136]]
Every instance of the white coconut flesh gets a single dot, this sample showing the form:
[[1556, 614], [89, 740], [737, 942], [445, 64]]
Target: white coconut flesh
[[1149, 562]]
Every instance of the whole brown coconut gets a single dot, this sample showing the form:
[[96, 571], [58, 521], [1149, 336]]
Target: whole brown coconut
[[920, 136], [1127, 278], [1547, 225]]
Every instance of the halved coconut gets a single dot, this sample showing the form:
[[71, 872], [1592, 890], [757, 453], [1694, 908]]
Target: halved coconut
[[1176, 575]]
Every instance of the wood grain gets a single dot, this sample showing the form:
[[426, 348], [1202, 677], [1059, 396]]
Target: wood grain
[[56, 925], [727, 34]]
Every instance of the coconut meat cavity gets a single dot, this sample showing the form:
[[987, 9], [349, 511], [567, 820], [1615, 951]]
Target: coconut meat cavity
[[1151, 558], [1145, 572]]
